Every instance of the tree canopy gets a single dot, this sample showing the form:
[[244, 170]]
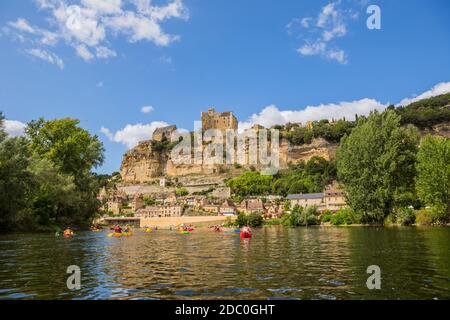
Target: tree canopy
[[45, 177], [376, 163], [433, 175]]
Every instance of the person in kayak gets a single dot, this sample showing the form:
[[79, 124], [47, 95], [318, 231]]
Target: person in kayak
[[118, 229], [68, 232], [246, 232]]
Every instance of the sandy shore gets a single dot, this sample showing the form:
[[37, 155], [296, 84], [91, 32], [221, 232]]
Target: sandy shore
[[197, 221]]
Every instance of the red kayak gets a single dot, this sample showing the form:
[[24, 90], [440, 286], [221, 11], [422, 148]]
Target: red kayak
[[245, 235]]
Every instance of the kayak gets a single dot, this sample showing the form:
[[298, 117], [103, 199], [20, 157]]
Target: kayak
[[118, 234], [246, 235], [185, 232], [237, 230], [128, 234], [149, 230]]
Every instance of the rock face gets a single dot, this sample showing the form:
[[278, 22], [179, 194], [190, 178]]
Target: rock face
[[142, 164]]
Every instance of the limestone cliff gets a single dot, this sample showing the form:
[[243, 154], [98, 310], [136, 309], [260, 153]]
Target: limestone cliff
[[142, 164]]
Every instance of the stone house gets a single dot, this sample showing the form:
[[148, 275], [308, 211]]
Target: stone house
[[273, 211], [251, 205], [114, 205], [164, 132], [137, 203], [227, 208], [334, 198], [308, 200], [160, 211], [211, 208]]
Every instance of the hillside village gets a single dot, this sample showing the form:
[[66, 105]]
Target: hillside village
[[150, 185], [146, 190]]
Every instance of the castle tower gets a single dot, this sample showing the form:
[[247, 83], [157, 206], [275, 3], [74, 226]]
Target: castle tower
[[218, 120]]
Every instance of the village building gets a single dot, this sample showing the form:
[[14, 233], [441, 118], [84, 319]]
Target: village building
[[251, 205], [137, 203], [227, 208], [273, 211], [114, 205], [160, 211], [307, 200], [211, 208], [334, 198], [218, 120], [171, 199], [163, 133]]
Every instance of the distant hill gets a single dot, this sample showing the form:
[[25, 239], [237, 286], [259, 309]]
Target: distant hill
[[427, 112]]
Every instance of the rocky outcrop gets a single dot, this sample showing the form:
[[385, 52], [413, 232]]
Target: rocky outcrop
[[142, 164]]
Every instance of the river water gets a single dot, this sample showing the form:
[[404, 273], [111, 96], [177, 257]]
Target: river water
[[277, 263]]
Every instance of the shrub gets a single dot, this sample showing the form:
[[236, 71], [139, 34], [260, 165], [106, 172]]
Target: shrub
[[255, 219], [181, 192], [405, 216], [344, 216], [300, 217], [272, 222], [429, 216], [326, 217], [241, 220]]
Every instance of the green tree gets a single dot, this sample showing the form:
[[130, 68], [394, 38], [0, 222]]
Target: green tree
[[54, 195], [375, 161], [181, 192], [433, 174], [15, 181], [2, 127], [74, 152], [67, 145]]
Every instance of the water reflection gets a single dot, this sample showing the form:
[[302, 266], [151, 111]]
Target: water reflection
[[302, 263]]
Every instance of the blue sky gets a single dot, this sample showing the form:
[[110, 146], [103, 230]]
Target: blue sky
[[268, 61]]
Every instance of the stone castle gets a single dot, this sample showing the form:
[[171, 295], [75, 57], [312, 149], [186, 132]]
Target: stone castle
[[218, 120], [142, 164]]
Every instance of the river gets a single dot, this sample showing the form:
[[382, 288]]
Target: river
[[277, 263]]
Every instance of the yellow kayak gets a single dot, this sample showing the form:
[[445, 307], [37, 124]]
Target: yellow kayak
[[118, 234], [127, 234], [148, 230]]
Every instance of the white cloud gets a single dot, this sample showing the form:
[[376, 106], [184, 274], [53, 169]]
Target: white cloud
[[47, 56], [104, 53], [305, 22], [87, 25], [132, 134], [272, 115], [84, 53], [147, 109], [14, 128], [440, 88], [331, 23], [22, 25]]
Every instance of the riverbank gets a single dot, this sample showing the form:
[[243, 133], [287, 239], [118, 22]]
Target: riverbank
[[196, 221]]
